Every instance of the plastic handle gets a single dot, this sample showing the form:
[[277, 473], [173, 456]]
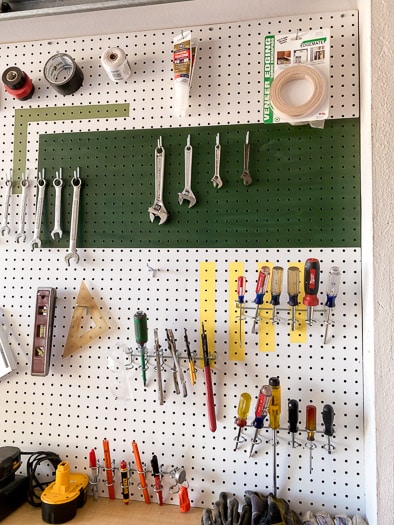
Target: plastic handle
[[310, 418], [243, 409], [262, 284], [241, 288], [275, 405], [311, 282], [140, 328], [328, 420], [276, 284], [334, 279], [293, 415], [293, 285], [210, 399], [262, 406]]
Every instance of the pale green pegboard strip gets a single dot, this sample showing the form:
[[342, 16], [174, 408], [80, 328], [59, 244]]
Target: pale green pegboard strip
[[24, 116]]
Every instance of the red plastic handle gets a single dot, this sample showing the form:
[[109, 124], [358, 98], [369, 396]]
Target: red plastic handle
[[210, 399]]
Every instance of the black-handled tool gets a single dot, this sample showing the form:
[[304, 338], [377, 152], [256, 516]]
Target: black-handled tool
[[292, 410], [328, 420]]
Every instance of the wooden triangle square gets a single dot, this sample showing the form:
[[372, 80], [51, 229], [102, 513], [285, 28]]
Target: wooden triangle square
[[85, 309]]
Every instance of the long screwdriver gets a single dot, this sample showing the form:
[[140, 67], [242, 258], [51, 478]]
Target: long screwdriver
[[242, 415], [141, 338], [261, 288], [158, 366], [192, 367], [328, 420], [241, 288], [310, 427], [334, 278], [274, 413], [261, 411], [208, 382], [311, 287], [292, 408], [276, 288], [293, 289]]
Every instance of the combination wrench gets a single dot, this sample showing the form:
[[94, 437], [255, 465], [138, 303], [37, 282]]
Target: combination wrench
[[158, 209], [6, 203], [246, 177], [216, 180], [22, 209], [72, 250], [41, 183], [58, 184], [187, 193]]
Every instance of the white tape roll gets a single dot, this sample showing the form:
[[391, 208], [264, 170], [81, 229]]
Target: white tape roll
[[293, 73], [115, 63]]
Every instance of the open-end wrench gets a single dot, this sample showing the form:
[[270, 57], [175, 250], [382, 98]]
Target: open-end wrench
[[246, 177], [158, 209], [22, 209], [217, 181], [6, 203], [41, 183], [72, 250], [187, 192], [57, 184]]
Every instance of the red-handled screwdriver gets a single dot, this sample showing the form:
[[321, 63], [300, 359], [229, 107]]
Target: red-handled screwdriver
[[241, 289], [310, 427], [242, 415], [261, 288], [261, 411], [311, 287]]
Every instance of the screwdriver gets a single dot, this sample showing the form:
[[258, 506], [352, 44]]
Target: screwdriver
[[311, 287], [293, 289], [328, 420], [276, 288], [124, 476], [208, 382], [241, 288], [242, 415], [261, 288], [261, 410], [293, 421], [274, 413], [192, 368], [310, 428], [141, 337], [334, 278]]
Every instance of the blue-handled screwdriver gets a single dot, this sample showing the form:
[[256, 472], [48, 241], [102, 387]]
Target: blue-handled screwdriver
[[241, 288], [261, 411]]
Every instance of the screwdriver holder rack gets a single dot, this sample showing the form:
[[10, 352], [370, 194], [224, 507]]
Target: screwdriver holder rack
[[178, 474]]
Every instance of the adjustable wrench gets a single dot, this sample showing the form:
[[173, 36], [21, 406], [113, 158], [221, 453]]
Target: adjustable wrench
[[158, 209], [22, 210], [72, 250], [217, 181], [246, 177], [6, 203], [41, 183], [57, 184], [187, 192]]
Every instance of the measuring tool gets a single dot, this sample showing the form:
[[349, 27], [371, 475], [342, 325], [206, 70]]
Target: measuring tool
[[311, 287], [242, 415], [261, 288], [261, 410], [43, 328], [334, 278], [141, 338]]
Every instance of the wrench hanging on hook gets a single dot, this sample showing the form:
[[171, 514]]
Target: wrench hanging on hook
[[58, 184], [6, 203], [158, 209], [72, 250], [22, 208], [41, 183]]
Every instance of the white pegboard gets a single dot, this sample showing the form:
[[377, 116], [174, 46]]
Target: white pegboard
[[73, 408]]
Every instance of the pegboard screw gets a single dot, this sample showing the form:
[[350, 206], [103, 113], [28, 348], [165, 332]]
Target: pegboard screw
[[151, 269]]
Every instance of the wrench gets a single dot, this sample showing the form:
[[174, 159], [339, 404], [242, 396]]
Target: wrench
[[187, 192], [57, 184], [158, 209], [36, 241], [72, 250], [22, 210], [246, 177], [6, 203], [217, 181]]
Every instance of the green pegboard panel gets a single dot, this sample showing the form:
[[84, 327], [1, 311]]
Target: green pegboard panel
[[305, 190]]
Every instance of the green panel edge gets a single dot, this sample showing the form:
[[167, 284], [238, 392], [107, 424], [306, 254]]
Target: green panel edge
[[23, 117]]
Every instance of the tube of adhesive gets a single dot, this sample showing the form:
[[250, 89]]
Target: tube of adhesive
[[184, 55]]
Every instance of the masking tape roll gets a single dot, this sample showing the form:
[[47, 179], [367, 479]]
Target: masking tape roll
[[115, 63], [290, 74]]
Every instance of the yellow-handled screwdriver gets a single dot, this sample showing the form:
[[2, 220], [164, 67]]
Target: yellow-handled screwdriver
[[276, 288], [293, 289], [242, 416], [274, 413]]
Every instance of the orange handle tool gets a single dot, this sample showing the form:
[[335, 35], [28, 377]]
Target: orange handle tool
[[108, 470], [140, 472]]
